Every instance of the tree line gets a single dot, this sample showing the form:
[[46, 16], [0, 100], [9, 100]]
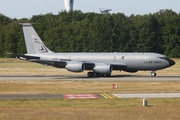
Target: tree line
[[92, 32]]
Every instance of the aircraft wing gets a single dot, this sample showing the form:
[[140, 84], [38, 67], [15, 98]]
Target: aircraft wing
[[63, 62]]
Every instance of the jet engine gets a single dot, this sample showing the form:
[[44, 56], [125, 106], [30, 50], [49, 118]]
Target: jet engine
[[75, 67], [103, 69]]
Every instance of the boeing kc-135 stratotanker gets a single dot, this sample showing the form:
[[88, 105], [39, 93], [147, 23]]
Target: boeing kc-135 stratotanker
[[98, 64]]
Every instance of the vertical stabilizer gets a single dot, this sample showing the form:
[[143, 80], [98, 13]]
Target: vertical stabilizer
[[33, 42]]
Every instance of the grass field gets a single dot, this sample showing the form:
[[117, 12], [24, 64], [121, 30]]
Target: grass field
[[89, 109], [84, 109]]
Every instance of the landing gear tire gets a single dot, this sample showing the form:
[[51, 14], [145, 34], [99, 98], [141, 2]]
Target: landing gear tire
[[153, 73], [90, 74], [96, 74], [108, 75]]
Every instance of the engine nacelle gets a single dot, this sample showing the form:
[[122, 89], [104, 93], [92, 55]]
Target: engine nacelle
[[75, 67], [103, 69]]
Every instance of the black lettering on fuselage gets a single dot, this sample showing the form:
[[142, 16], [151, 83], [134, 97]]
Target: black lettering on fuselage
[[152, 62]]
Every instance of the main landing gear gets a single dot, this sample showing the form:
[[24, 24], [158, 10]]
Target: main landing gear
[[94, 74], [153, 73]]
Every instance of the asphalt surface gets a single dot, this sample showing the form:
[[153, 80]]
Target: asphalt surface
[[149, 95], [133, 78], [84, 78], [48, 96]]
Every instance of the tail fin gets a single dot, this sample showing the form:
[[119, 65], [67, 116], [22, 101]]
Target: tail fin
[[33, 42]]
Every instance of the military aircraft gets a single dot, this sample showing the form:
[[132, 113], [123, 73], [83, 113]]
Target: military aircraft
[[98, 64]]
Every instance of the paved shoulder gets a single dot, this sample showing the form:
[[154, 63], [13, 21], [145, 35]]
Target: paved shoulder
[[149, 95]]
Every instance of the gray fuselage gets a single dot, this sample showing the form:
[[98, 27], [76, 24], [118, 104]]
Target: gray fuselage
[[126, 61]]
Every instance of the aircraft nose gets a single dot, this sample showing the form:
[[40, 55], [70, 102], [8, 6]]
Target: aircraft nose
[[171, 62]]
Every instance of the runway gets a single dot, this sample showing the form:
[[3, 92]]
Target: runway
[[122, 78]]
